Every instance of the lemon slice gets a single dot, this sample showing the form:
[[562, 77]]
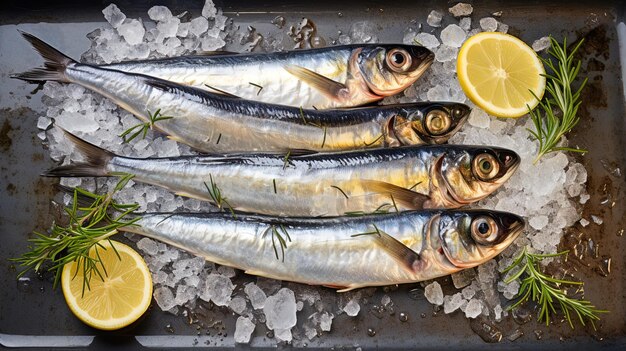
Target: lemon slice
[[496, 72], [118, 300]]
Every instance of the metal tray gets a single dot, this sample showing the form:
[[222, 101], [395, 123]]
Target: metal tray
[[34, 315]]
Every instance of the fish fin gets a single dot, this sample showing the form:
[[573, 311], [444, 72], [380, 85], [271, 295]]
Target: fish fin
[[189, 195], [97, 161], [222, 92], [404, 196], [408, 258], [161, 84], [316, 80], [215, 53], [54, 65], [258, 273], [301, 152], [336, 287], [174, 138]]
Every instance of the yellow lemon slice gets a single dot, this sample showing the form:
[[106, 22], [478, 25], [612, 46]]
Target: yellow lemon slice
[[496, 72], [115, 301]]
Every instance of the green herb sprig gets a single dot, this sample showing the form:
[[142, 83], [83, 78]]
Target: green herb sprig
[[551, 126], [547, 291], [88, 225], [142, 128], [216, 195], [278, 237]]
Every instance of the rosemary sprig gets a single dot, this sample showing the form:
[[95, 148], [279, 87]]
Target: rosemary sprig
[[142, 128], [382, 209], [216, 195], [376, 231], [88, 225], [551, 126], [278, 237], [546, 291], [258, 86]]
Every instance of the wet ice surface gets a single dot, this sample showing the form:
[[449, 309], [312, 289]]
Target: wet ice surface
[[546, 194]]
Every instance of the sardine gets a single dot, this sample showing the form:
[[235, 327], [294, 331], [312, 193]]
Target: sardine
[[340, 252], [339, 76], [211, 122], [320, 184]]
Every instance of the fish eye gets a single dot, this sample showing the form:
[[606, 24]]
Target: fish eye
[[486, 167], [457, 112], [399, 60], [484, 230], [437, 122]]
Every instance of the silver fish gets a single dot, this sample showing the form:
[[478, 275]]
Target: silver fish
[[339, 76], [341, 252], [402, 178], [217, 123]]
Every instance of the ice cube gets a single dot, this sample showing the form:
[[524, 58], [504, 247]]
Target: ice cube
[[132, 30], [209, 10], [434, 18], [76, 123], [453, 36], [461, 9], [326, 320], [43, 122], [256, 295], [244, 327], [237, 304], [463, 278], [226, 271], [541, 44], [465, 23], [169, 27], [352, 308], [113, 15], [452, 303], [584, 222], [427, 40], [538, 222], [363, 32], [159, 13], [280, 310], [597, 220], [283, 334], [438, 93], [218, 289], [198, 26], [164, 298], [446, 53], [148, 246], [473, 309], [503, 28], [433, 293], [488, 24]]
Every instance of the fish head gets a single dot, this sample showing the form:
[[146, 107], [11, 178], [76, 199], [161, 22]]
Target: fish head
[[433, 123], [470, 238], [466, 174], [389, 69]]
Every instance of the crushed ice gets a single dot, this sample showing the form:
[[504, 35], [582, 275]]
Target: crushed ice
[[546, 193]]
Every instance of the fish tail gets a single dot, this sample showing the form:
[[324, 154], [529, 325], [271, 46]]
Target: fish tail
[[96, 165], [54, 66]]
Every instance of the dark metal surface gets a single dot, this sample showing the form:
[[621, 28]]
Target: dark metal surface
[[34, 315]]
